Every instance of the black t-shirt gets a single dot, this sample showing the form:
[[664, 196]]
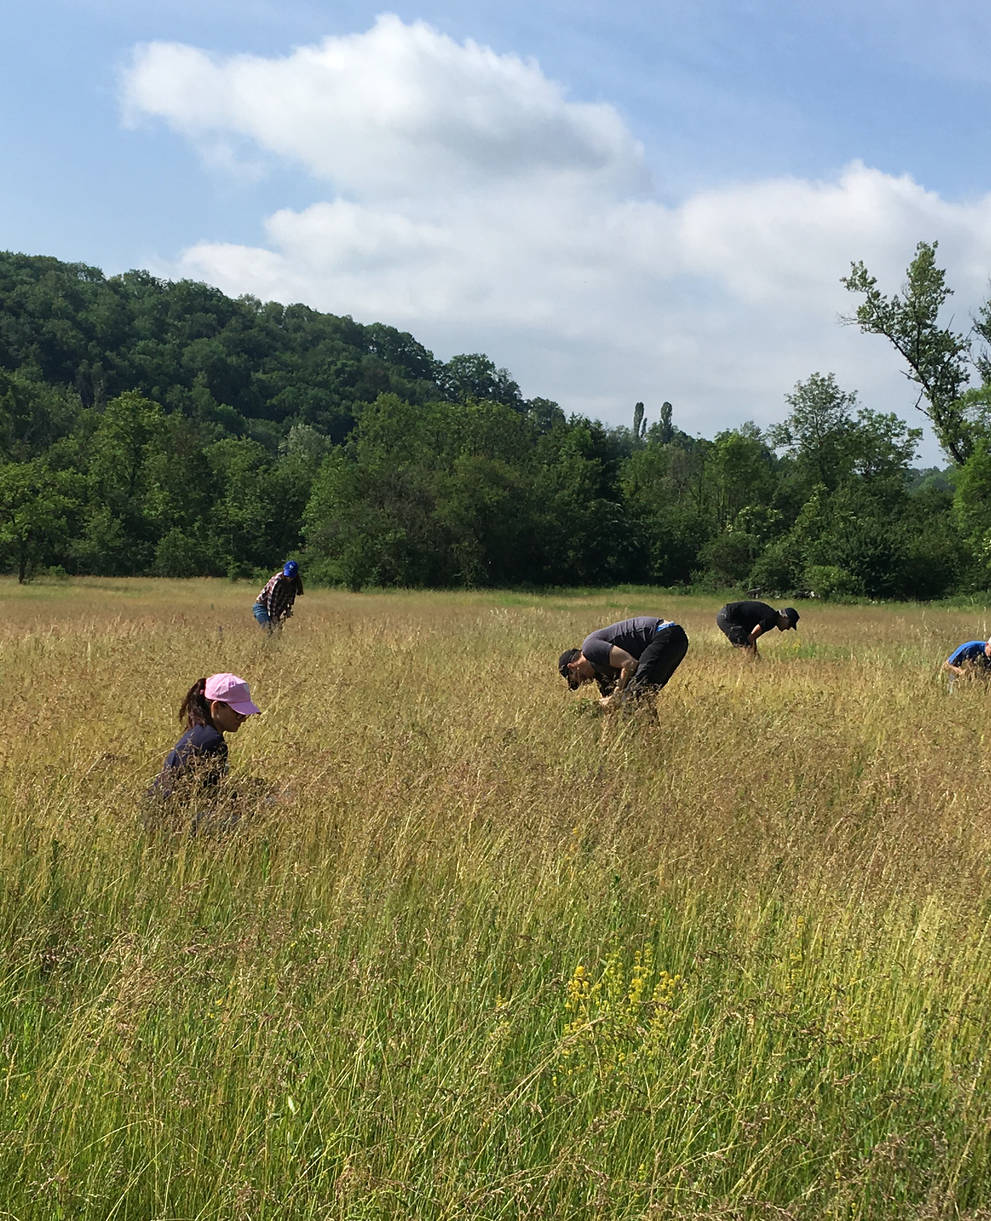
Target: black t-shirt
[[749, 614], [198, 759]]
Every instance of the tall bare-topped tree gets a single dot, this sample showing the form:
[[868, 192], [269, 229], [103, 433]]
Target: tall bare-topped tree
[[639, 425], [665, 427]]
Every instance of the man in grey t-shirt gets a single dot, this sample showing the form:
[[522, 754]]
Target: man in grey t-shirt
[[627, 660]]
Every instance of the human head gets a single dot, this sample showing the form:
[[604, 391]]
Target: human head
[[575, 668], [231, 690], [564, 661], [788, 618], [219, 691], [987, 649], [290, 570]]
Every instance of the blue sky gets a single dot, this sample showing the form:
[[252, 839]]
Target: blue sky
[[616, 202]]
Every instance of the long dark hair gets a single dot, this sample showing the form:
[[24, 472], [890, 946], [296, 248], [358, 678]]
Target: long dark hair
[[195, 708]]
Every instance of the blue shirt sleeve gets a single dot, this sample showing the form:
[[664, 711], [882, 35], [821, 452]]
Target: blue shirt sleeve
[[970, 651]]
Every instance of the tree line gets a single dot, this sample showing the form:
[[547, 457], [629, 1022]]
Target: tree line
[[149, 427]]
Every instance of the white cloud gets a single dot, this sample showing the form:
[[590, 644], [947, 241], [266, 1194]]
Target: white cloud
[[400, 109], [474, 204]]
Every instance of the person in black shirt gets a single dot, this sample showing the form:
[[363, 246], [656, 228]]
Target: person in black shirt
[[196, 766], [742, 622]]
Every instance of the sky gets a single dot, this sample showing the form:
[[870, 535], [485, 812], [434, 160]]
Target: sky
[[617, 202]]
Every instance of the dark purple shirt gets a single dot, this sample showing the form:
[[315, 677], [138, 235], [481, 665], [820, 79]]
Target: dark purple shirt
[[198, 759], [633, 635]]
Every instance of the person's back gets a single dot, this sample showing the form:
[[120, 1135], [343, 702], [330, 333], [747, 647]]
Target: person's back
[[197, 761], [749, 613], [742, 622], [633, 635], [969, 660]]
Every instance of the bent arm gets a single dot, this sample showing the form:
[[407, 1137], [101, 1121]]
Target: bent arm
[[626, 664], [751, 645]]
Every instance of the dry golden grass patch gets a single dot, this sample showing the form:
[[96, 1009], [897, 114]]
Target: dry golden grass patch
[[490, 954]]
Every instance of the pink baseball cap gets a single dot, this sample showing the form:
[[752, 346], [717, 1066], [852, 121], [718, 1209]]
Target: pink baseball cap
[[230, 690]]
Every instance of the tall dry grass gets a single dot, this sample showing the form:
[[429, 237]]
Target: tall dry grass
[[491, 956]]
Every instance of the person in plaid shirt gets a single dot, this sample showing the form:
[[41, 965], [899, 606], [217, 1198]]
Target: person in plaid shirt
[[273, 606]]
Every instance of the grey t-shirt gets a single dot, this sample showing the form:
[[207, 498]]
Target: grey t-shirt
[[633, 635]]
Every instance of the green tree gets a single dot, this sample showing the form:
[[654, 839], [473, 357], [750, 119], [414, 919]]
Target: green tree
[[816, 434], [664, 425], [742, 472], [242, 511], [36, 504], [338, 524], [117, 535], [372, 517], [881, 444], [668, 498], [474, 376], [484, 509], [972, 510], [182, 553], [33, 416], [544, 414], [938, 358], [639, 426], [829, 445], [178, 498], [582, 532]]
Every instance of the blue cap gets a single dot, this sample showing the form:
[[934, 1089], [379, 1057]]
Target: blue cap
[[291, 569]]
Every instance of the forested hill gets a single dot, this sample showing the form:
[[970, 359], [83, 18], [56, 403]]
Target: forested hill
[[154, 427], [243, 367]]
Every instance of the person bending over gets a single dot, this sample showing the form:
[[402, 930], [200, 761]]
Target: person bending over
[[630, 660], [970, 660], [742, 622], [273, 606]]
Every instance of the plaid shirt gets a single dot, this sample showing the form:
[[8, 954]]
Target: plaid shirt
[[278, 596]]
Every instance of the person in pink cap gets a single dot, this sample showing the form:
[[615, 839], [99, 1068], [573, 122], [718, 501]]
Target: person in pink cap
[[197, 763]]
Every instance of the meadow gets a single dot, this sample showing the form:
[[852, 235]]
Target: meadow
[[489, 955]]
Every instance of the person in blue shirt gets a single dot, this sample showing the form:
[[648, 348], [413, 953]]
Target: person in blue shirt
[[628, 660], [970, 660]]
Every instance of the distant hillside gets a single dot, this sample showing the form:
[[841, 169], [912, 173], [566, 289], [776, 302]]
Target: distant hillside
[[154, 427], [248, 367]]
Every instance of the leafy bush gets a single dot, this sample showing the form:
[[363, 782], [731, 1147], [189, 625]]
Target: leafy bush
[[833, 583]]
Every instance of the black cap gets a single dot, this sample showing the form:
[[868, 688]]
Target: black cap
[[567, 656], [792, 616]]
